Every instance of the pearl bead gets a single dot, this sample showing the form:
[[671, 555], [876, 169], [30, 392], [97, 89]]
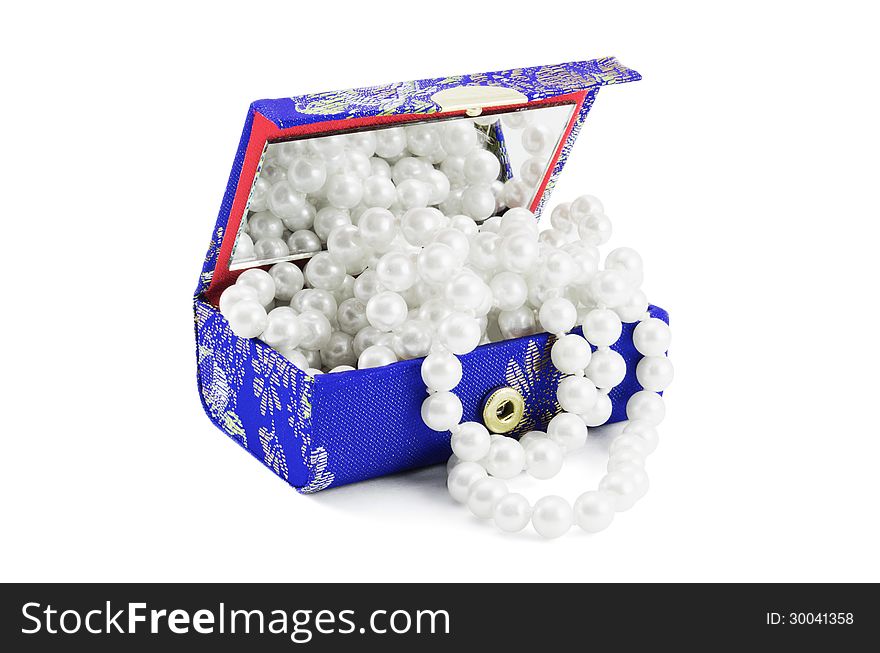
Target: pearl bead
[[567, 430], [420, 224], [379, 191], [282, 328], [462, 477], [412, 339], [270, 248], [560, 218], [259, 280], [343, 368], [315, 299], [484, 251], [480, 167], [439, 185], [538, 139], [516, 193], [396, 271], [327, 147], [654, 373], [316, 330], [455, 239], [288, 279], [517, 323], [595, 229], [247, 318], [585, 206], [610, 288], [594, 511], [306, 174], [628, 261], [570, 354], [600, 412], [433, 311], [506, 458], [259, 195], [557, 315], [517, 119], [265, 225], [412, 194], [544, 459], [628, 442], [459, 137], [607, 368], [518, 252], [558, 268], [645, 431], [390, 142], [344, 190], [512, 513], [369, 336], [325, 272], [441, 371], [623, 489], [556, 239], [386, 311], [576, 394], [532, 436], [437, 262], [244, 248], [283, 201], [441, 411], [339, 350], [602, 327], [296, 357], [587, 258], [346, 246], [328, 218], [459, 333], [484, 494], [471, 441], [378, 228], [451, 463], [376, 356], [532, 170], [646, 405], [303, 242], [352, 316], [552, 516], [478, 202], [465, 291], [651, 337], [236, 293], [509, 290], [633, 309], [363, 142], [625, 460], [422, 139]]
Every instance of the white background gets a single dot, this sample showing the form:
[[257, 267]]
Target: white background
[[744, 167]]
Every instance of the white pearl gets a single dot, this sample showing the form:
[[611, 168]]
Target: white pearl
[[303, 241], [236, 293], [633, 309], [434, 311], [259, 280], [459, 137], [437, 262], [376, 356], [378, 228], [282, 329], [441, 411], [265, 225], [439, 185], [518, 252], [587, 258], [484, 251], [517, 193], [584, 206], [283, 201], [346, 246], [556, 239], [509, 290], [544, 459], [512, 513], [470, 441], [602, 327], [451, 463], [413, 193], [455, 239], [576, 394], [506, 458], [478, 202], [296, 357], [570, 354], [338, 351], [558, 315], [532, 170], [558, 267], [441, 371], [420, 224], [628, 261], [560, 218], [386, 310], [325, 272], [328, 218], [538, 139], [244, 248], [465, 291], [567, 430], [412, 339], [352, 316], [530, 437], [247, 318], [606, 369], [595, 229], [646, 405], [390, 142], [600, 412], [327, 147], [259, 195], [270, 248], [462, 477], [645, 431], [610, 288], [306, 174], [422, 139], [288, 279], [396, 271], [517, 119], [517, 323], [369, 336], [484, 494], [623, 489], [379, 191], [594, 511], [552, 516], [479, 167], [363, 142], [628, 442], [316, 330], [344, 190], [651, 337], [459, 333], [655, 373], [357, 163], [343, 368]]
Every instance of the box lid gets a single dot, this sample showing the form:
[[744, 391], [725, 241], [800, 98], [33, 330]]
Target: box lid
[[269, 121]]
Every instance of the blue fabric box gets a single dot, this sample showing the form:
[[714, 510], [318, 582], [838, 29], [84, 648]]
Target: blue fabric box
[[317, 432]]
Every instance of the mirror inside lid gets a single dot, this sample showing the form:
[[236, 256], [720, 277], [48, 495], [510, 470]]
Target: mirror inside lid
[[474, 166]]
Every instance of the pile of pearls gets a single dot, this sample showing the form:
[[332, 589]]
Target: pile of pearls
[[308, 188]]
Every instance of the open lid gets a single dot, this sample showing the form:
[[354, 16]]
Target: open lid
[[556, 97]]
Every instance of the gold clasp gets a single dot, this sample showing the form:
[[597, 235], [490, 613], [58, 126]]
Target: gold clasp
[[503, 410]]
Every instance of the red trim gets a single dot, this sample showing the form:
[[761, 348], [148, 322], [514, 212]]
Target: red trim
[[263, 130]]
